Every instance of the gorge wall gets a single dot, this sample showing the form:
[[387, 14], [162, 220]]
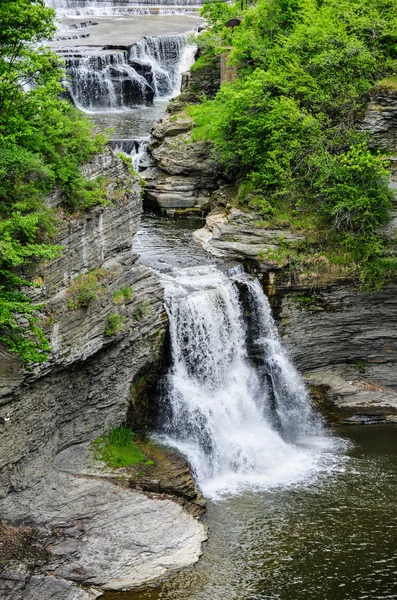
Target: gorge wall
[[84, 387], [342, 339]]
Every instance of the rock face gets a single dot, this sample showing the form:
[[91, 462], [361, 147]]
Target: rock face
[[346, 399], [85, 530], [93, 533], [85, 383], [234, 234], [186, 174], [381, 117], [337, 334]]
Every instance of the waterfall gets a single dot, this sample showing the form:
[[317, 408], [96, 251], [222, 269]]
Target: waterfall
[[136, 149], [102, 80], [101, 8], [238, 424], [163, 53], [105, 80]]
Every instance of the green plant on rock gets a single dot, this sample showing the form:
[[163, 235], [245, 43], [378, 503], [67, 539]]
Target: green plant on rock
[[44, 140], [123, 295], [143, 309], [118, 449], [115, 324], [287, 128], [87, 287]]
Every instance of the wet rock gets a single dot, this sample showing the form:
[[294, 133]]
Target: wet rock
[[348, 397], [103, 536]]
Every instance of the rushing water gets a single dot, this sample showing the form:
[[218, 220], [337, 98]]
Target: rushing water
[[241, 426], [332, 539]]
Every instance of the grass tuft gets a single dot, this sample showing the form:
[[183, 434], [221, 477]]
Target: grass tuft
[[117, 449]]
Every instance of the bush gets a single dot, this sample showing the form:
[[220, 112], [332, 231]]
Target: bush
[[43, 142], [123, 295], [115, 324], [286, 129], [85, 288], [117, 449]]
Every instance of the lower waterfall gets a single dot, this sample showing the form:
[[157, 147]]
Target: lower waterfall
[[232, 402]]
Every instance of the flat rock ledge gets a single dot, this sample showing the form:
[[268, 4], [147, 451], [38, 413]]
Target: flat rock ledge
[[346, 399], [79, 532]]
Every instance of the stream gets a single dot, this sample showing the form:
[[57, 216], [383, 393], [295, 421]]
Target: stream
[[294, 510]]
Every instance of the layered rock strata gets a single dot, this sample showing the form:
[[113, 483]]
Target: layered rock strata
[[86, 531], [185, 174]]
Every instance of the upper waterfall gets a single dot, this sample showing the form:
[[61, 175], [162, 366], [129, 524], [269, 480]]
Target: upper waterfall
[[239, 422]]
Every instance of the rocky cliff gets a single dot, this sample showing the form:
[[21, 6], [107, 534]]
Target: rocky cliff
[[185, 173], [103, 313], [84, 386], [344, 341]]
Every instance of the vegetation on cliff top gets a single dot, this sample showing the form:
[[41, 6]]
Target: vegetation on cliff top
[[43, 141], [287, 128]]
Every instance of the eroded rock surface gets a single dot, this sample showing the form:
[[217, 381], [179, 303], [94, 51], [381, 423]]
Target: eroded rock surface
[[236, 235], [93, 533], [186, 173], [349, 397]]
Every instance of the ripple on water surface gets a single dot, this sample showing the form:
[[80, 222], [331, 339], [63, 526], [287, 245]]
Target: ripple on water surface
[[333, 539]]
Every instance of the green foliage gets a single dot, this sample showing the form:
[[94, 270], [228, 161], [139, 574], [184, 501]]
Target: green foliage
[[123, 295], [86, 287], [43, 142], [286, 129], [143, 309], [117, 449], [115, 324], [127, 160]]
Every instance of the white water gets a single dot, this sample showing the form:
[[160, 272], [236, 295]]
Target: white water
[[104, 80], [136, 149], [239, 426]]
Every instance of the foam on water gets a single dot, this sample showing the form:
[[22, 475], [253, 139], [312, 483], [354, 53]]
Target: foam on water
[[240, 424]]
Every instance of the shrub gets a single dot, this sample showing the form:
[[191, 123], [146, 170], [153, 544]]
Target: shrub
[[85, 288], [143, 309], [123, 295], [286, 129], [115, 324]]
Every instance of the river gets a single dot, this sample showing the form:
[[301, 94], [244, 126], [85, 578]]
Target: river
[[295, 511]]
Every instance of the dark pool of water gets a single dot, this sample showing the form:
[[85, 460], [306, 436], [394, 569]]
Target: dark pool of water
[[163, 242], [334, 539]]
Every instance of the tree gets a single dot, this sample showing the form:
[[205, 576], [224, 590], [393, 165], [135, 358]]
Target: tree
[[43, 141]]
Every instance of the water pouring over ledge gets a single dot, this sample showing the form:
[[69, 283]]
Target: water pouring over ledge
[[243, 421]]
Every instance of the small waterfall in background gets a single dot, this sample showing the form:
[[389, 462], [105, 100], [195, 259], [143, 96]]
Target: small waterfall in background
[[136, 149], [240, 423], [110, 8], [109, 80]]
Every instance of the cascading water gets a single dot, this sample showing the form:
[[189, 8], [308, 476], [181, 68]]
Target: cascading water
[[123, 7], [104, 80], [237, 428], [113, 80], [136, 149]]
